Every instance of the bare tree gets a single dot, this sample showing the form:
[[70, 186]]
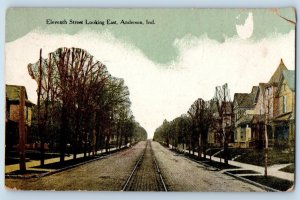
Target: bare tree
[[224, 122], [86, 98], [201, 116]]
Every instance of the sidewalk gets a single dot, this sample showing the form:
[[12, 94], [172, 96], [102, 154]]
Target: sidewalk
[[273, 170], [35, 163]]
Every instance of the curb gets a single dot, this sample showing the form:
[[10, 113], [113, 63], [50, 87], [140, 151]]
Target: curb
[[62, 169]]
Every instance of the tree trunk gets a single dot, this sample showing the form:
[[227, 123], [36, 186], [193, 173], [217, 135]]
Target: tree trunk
[[226, 152], [204, 148], [266, 152], [199, 146], [85, 145], [107, 143], [42, 155], [63, 132], [190, 145], [184, 145], [118, 143], [94, 142], [74, 151]]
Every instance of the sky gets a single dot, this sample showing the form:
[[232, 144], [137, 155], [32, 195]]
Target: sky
[[166, 66]]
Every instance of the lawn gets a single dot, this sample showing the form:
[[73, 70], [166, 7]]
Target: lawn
[[26, 173], [67, 163], [31, 155], [272, 182], [256, 157], [290, 168]]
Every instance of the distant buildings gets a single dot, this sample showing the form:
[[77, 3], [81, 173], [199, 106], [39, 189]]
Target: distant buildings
[[268, 107]]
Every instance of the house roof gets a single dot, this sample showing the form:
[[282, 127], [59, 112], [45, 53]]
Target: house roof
[[284, 117], [244, 99], [260, 90], [246, 119], [276, 76], [13, 93], [289, 76], [254, 90]]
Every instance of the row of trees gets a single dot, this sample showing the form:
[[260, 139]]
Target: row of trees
[[80, 104], [191, 130]]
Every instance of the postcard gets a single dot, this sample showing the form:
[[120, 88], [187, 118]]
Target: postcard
[[194, 100]]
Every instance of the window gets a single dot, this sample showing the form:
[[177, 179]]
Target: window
[[235, 135], [26, 110], [283, 104], [242, 133], [261, 109]]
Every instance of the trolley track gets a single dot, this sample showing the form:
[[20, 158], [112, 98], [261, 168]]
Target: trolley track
[[146, 174]]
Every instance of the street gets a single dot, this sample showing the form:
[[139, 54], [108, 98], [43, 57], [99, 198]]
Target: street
[[107, 174], [182, 174], [111, 174]]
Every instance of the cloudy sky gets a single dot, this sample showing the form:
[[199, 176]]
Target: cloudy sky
[[166, 66]]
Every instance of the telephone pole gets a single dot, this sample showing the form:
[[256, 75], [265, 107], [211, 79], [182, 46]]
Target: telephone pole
[[22, 130]]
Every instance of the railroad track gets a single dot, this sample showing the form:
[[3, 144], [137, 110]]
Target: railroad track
[[146, 175]]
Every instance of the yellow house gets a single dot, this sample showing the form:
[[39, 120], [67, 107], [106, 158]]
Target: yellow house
[[243, 107], [284, 121], [12, 115]]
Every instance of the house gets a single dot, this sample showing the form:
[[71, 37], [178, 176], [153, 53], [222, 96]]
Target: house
[[243, 109], [284, 119], [266, 107], [255, 112], [12, 116], [260, 116]]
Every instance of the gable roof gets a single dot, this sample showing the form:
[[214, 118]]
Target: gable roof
[[289, 76], [260, 90], [243, 100], [246, 100], [254, 90], [276, 76], [13, 93]]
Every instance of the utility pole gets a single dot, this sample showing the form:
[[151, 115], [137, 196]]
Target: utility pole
[[22, 130], [39, 110]]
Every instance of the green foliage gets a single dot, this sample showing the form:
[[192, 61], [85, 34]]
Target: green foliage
[[289, 168], [256, 157], [271, 181]]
